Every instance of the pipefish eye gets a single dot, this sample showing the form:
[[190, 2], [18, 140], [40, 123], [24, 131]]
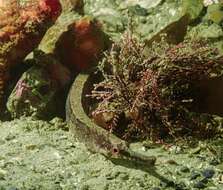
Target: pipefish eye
[[115, 150]]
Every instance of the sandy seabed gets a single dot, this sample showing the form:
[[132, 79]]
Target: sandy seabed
[[43, 155]]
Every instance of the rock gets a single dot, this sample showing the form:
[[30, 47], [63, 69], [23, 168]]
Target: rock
[[22, 31], [123, 176], [31, 146], [184, 169], [81, 45], [163, 184], [202, 157], [148, 19], [71, 5], [220, 178], [167, 184], [194, 175], [13, 188], [84, 187], [215, 13], [10, 137], [207, 31], [51, 37], [108, 14], [35, 92], [196, 150], [175, 149], [171, 162], [2, 174], [193, 8], [75, 41], [146, 4], [180, 186], [210, 31], [155, 188], [220, 167], [199, 185], [204, 180], [210, 2], [214, 162], [56, 121], [138, 10], [160, 21]]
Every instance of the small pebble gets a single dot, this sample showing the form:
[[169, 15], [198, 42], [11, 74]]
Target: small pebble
[[220, 166], [167, 184], [195, 150], [10, 137], [184, 169], [163, 184], [2, 141], [171, 162], [84, 187], [214, 162], [12, 188], [180, 186], [175, 149], [123, 176], [31, 146], [194, 175], [204, 180], [155, 188], [2, 188], [220, 178], [208, 173], [138, 10], [56, 120], [2, 174], [199, 185], [202, 157]]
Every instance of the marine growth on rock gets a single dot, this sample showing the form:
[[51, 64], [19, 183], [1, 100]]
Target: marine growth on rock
[[22, 26], [81, 45]]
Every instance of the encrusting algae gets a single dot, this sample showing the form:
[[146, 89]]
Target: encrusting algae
[[21, 29], [80, 47]]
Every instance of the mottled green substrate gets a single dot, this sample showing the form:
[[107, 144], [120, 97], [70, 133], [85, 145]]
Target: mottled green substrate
[[43, 156]]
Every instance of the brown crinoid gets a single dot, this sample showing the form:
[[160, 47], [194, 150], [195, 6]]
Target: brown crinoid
[[154, 92], [21, 29]]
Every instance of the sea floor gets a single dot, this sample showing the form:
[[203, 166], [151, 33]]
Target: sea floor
[[39, 155]]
